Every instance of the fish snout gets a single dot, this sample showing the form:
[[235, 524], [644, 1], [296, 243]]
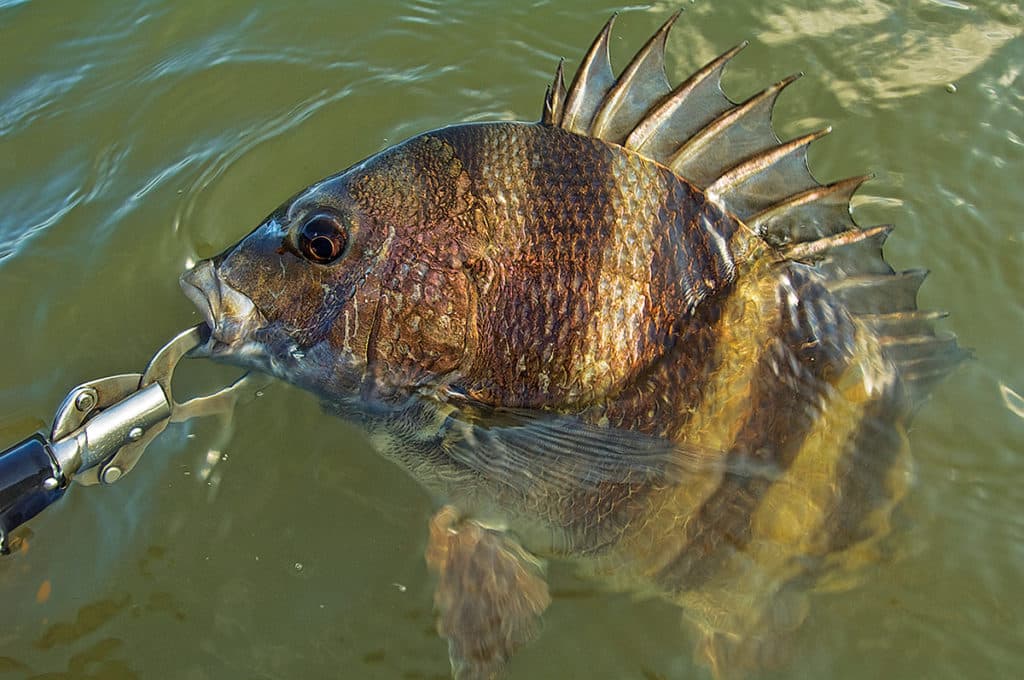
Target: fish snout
[[231, 315]]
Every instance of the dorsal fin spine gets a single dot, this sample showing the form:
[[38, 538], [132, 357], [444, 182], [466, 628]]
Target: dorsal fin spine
[[661, 114], [765, 97], [843, 189], [590, 84], [759, 162], [647, 65], [554, 98], [808, 249]]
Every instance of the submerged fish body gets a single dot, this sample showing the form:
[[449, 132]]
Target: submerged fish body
[[637, 334]]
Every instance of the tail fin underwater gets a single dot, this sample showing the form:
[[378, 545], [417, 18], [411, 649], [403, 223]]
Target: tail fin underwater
[[730, 150]]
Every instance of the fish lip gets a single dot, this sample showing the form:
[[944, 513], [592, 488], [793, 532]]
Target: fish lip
[[199, 298], [230, 315]]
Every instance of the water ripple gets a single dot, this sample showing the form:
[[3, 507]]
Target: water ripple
[[12, 244], [1013, 401], [220, 154], [29, 102]]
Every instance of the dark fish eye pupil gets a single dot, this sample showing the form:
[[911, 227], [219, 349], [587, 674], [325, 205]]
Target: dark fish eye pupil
[[322, 247], [322, 238]]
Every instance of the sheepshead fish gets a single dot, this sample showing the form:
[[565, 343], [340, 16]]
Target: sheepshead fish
[[637, 335]]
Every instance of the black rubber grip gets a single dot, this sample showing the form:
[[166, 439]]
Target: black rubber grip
[[24, 471]]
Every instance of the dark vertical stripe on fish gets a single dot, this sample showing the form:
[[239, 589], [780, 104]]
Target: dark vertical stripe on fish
[[695, 260], [661, 399], [862, 474], [791, 383], [548, 228], [691, 276]]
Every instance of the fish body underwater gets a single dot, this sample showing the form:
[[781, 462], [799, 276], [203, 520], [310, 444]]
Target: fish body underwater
[[637, 335]]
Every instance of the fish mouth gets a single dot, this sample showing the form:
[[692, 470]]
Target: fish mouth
[[231, 316]]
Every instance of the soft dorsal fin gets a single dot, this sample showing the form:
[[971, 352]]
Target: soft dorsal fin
[[730, 150]]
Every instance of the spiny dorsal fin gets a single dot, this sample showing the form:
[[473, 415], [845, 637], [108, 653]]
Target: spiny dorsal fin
[[694, 129], [731, 151]]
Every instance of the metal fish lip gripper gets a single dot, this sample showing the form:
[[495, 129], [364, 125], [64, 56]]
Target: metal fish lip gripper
[[102, 428]]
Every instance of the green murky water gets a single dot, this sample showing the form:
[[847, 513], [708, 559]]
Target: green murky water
[[135, 137]]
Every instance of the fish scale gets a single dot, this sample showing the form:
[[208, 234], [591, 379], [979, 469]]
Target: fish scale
[[638, 335]]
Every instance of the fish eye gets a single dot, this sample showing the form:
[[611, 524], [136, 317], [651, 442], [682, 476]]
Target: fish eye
[[322, 238]]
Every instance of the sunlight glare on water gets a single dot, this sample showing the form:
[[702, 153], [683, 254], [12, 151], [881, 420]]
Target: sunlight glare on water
[[137, 138]]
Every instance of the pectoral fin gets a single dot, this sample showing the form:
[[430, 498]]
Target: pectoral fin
[[490, 594], [517, 447]]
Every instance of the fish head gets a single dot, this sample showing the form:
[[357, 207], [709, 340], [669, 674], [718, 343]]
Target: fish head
[[361, 278]]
